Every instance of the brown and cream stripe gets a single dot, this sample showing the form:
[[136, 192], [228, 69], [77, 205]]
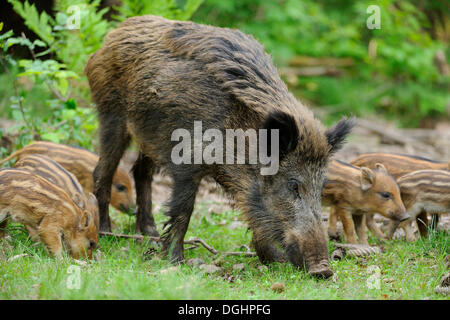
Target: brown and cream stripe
[[429, 189], [398, 164], [46, 210], [81, 163], [55, 173]]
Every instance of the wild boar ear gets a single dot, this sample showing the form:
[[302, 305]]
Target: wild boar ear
[[78, 200], [93, 202], [367, 178], [288, 132], [92, 199], [85, 219], [380, 167], [336, 135]]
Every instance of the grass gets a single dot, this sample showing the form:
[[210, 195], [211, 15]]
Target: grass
[[128, 271]]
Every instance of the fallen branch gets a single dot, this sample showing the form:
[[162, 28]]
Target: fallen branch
[[129, 236], [192, 241], [247, 253], [310, 71], [394, 137], [300, 61]]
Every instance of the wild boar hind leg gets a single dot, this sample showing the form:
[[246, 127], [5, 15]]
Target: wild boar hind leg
[[143, 175], [347, 223], [180, 209], [373, 227], [114, 139]]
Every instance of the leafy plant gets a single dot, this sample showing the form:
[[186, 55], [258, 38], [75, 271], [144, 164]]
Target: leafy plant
[[66, 122], [396, 78], [76, 31], [171, 9], [70, 45]]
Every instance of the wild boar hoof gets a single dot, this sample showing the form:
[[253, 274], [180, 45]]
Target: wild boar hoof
[[320, 271], [148, 231], [334, 236], [177, 259]]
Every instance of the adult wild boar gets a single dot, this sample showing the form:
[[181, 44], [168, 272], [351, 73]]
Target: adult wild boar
[[153, 76]]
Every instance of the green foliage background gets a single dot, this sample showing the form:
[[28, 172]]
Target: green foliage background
[[401, 82], [50, 97]]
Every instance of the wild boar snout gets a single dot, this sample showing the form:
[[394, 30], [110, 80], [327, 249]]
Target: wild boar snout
[[309, 250], [402, 216]]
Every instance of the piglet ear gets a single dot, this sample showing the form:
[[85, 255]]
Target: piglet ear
[[93, 203], [367, 178], [381, 168], [92, 199], [85, 220], [78, 200], [288, 132], [336, 135]]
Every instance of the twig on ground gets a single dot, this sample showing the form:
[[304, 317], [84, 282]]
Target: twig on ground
[[394, 136], [129, 236], [203, 243], [192, 241]]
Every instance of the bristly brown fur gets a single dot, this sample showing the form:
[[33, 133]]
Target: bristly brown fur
[[47, 212], [399, 165], [81, 162], [353, 193], [154, 75], [423, 192], [52, 171]]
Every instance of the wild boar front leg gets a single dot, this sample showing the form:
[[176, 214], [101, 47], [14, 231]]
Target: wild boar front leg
[[51, 237], [113, 142], [33, 233], [3, 225], [360, 226], [181, 206], [347, 223], [332, 224], [422, 223], [143, 175], [373, 227], [408, 230]]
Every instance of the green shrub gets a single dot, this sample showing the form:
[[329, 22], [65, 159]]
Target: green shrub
[[400, 81], [56, 107]]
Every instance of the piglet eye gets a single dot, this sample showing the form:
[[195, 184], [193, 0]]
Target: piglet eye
[[293, 185], [386, 195], [120, 187]]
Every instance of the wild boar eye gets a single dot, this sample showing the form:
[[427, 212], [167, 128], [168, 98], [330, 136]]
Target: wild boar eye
[[293, 185], [385, 195], [120, 187]]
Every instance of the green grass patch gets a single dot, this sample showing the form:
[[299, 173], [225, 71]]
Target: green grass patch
[[128, 269]]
